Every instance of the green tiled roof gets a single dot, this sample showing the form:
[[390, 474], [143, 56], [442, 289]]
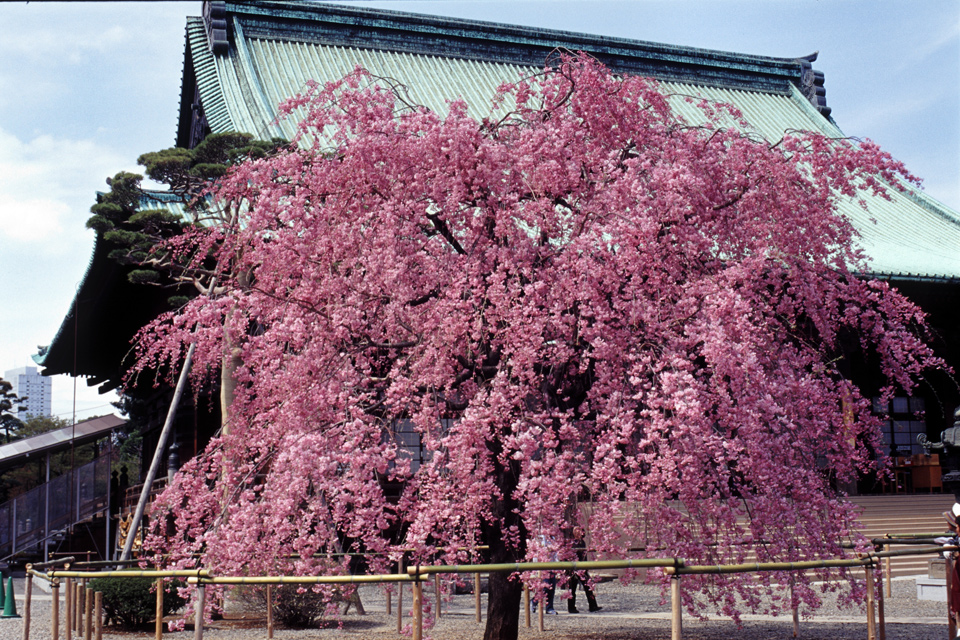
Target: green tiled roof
[[275, 47]]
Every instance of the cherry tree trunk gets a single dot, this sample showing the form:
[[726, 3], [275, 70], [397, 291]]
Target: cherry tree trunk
[[503, 606], [503, 602]]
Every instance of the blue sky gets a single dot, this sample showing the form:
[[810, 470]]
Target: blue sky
[[87, 87]]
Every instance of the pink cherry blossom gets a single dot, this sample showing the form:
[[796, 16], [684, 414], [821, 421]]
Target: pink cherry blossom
[[590, 312]]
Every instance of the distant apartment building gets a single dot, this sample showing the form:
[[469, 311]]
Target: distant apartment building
[[37, 390]]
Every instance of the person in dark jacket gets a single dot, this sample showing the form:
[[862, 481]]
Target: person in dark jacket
[[953, 596], [580, 577]]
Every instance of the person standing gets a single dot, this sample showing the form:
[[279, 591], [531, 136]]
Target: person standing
[[953, 578], [580, 577]]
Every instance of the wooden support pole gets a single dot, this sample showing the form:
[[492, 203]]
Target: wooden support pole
[[68, 608], [78, 609], [98, 615], [55, 610], [88, 614], [401, 570], [881, 621], [388, 591], [27, 596], [436, 588], [158, 628], [476, 597], [526, 603], [951, 576], [871, 617], [676, 618], [270, 611], [887, 572], [541, 605], [417, 610], [795, 609], [198, 610]]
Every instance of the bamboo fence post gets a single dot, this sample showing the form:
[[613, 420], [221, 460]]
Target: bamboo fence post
[[871, 618], [55, 610], [526, 601], [881, 621], [951, 621], [98, 615], [158, 629], [27, 597], [418, 609], [83, 599], [540, 606], [888, 572], [795, 610], [270, 611], [476, 596], [68, 608], [401, 571], [199, 606], [676, 619], [436, 588], [389, 593], [78, 609], [88, 613]]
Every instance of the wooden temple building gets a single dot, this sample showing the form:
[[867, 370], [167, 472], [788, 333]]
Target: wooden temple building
[[243, 58]]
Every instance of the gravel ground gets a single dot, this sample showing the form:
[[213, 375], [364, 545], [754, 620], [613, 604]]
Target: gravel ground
[[631, 612]]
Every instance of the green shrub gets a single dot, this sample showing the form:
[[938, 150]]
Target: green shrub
[[132, 602], [296, 606]]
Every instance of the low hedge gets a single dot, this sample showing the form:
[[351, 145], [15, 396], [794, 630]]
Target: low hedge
[[132, 602]]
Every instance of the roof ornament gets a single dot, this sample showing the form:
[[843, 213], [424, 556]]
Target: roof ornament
[[215, 21], [811, 84]]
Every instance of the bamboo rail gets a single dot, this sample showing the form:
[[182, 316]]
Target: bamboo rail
[[77, 605]]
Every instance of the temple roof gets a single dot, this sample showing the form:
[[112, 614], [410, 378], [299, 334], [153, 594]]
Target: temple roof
[[244, 58], [107, 311]]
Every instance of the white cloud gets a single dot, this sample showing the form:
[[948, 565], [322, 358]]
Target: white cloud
[[46, 180], [71, 47], [931, 44], [31, 220]]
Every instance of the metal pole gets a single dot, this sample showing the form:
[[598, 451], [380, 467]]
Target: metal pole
[[107, 549], [158, 455], [46, 514]]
